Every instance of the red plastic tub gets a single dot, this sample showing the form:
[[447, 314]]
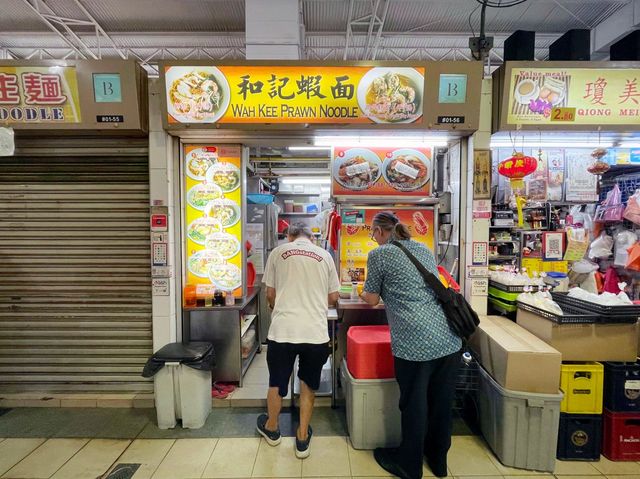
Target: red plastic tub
[[621, 436], [369, 352]]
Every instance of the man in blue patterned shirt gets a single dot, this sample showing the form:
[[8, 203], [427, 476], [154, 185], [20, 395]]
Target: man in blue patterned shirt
[[426, 352]]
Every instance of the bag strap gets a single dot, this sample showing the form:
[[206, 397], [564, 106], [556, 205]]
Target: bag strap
[[434, 283]]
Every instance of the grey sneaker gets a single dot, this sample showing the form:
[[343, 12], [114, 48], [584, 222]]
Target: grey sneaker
[[273, 438], [302, 447]]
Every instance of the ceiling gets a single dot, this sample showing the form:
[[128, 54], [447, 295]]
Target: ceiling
[[150, 30]]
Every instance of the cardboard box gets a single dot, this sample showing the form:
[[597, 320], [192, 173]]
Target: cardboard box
[[585, 342], [516, 359]]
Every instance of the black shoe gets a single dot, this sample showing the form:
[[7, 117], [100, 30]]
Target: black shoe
[[273, 438], [438, 467], [386, 460], [302, 447]]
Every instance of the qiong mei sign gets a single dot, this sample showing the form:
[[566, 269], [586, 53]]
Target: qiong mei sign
[[250, 94], [568, 96]]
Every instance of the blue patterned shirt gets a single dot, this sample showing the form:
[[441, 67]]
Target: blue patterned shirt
[[419, 329]]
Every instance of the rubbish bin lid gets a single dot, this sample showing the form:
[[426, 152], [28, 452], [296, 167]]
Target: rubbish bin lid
[[183, 351]]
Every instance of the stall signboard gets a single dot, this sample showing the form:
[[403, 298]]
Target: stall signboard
[[381, 172], [107, 96], [30, 94], [356, 241], [213, 180], [293, 94], [572, 95]]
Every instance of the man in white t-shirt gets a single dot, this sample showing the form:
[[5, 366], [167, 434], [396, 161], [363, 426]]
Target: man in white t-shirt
[[302, 283]]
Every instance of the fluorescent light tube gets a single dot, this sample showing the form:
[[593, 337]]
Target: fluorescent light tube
[[309, 148], [550, 144], [301, 180], [380, 141]]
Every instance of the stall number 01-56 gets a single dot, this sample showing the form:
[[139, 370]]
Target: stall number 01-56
[[451, 120]]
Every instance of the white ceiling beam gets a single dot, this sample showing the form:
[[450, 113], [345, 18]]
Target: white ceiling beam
[[99, 29], [614, 28]]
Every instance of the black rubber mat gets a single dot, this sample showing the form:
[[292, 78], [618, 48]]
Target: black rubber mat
[[123, 471]]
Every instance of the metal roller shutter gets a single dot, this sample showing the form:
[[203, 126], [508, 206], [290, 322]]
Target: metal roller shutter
[[75, 294]]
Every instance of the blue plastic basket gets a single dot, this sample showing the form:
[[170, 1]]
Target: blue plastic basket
[[260, 199]]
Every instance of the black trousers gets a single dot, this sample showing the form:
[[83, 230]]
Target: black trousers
[[427, 391]]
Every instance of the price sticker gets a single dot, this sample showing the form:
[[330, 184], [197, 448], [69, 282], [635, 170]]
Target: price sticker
[[563, 114]]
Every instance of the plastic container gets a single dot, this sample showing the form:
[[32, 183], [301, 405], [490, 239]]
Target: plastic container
[[605, 314], [582, 385], [621, 436], [260, 199], [288, 206], [369, 352], [580, 437], [622, 387], [507, 287], [182, 392], [373, 416], [571, 314], [521, 428], [325, 379]]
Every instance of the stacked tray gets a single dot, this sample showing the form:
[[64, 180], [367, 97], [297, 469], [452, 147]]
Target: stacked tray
[[571, 314], [627, 314]]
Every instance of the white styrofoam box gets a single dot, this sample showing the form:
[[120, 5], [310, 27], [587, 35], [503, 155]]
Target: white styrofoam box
[[325, 379], [373, 415], [183, 393]]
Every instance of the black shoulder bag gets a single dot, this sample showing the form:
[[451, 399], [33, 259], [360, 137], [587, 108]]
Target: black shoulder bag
[[462, 319]]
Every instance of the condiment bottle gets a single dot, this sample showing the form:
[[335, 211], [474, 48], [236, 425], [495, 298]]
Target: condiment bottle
[[218, 298], [229, 299], [354, 290], [190, 300]]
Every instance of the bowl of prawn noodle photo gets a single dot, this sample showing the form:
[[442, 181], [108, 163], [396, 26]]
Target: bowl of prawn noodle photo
[[197, 94], [391, 95], [407, 170], [358, 169]]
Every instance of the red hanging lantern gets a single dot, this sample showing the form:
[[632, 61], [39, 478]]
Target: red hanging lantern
[[517, 167]]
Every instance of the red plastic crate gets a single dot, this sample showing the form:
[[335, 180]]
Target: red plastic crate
[[621, 436], [369, 352]]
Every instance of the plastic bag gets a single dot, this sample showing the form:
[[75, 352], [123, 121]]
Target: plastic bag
[[625, 239], [611, 210], [632, 211], [589, 284], [601, 247], [611, 280], [633, 262]]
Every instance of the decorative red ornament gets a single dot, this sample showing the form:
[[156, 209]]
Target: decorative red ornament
[[518, 166]]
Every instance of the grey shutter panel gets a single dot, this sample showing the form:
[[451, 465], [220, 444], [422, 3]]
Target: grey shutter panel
[[75, 285]]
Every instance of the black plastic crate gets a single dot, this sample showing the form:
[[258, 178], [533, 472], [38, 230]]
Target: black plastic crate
[[580, 437], [571, 315], [628, 314], [622, 387], [507, 288]]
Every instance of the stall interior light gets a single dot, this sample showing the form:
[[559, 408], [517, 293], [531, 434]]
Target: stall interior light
[[309, 148], [629, 144], [551, 144], [381, 141], [301, 180]]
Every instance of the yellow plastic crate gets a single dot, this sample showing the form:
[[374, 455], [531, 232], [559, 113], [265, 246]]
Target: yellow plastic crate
[[583, 386]]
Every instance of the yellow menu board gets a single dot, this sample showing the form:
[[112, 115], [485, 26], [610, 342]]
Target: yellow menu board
[[213, 216], [293, 94], [579, 96], [356, 241]]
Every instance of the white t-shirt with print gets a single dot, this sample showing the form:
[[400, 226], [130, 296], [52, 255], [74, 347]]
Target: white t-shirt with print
[[303, 275]]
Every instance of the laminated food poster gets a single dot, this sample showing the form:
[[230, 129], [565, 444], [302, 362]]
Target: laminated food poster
[[381, 172], [356, 241], [213, 216]]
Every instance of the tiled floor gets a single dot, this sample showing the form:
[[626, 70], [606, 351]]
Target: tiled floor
[[191, 458]]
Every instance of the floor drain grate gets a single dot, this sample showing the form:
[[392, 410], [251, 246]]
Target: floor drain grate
[[123, 471]]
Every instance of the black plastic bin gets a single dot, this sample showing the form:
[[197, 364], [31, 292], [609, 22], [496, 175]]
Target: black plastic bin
[[196, 355], [627, 314], [580, 437]]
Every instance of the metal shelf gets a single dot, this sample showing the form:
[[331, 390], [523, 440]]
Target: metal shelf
[[298, 194], [248, 321], [299, 214]]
